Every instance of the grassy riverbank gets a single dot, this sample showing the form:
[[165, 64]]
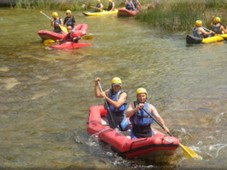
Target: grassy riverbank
[[180, 15], [170, 15]]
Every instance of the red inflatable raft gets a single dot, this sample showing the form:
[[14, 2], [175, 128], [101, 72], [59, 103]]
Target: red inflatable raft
[[158, 145], [79, 30], [70, 45], [123, 12]]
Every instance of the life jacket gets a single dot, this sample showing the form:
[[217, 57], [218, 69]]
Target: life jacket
[[135, 3], [141, 118], [117, 114], [69, 21], [195, 33], [216, 29], [98, 5], [129, 6], [141, 122], [57, 22], [115, 97], [110, 6]]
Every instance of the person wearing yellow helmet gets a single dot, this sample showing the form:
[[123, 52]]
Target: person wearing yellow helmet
[[70, 37], [55, 22], [137, 4], [200, 31], [116, 102], [99, 6], [111, 5], [69, 20], [216, 25], [139, 112], [129, 5]]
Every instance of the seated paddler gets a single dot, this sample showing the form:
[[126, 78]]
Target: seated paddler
[[200, 31], [140, 113], [116, 103]]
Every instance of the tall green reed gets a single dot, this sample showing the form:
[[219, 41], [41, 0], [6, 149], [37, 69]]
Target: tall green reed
[[181, 15]]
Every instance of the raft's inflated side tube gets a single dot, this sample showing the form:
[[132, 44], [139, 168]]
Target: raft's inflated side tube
[[193, 40], [190, 39]]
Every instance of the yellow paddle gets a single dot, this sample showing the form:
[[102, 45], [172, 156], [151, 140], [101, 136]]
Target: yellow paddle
[[48, 42], [87, 37], [188, 153], [64, 29]]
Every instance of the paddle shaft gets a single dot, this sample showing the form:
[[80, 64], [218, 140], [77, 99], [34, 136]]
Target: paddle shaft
[[62, 27], [45, 15], [206, 29], [107, 106], [68, 20], [156, 121]]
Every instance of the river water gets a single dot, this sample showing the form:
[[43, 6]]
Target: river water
[[46, 94]]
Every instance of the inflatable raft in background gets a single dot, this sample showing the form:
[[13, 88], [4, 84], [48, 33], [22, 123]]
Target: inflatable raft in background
[[79, 30], [120, 142], [190, 39], [123, 12], [101, 13], [70, 45]]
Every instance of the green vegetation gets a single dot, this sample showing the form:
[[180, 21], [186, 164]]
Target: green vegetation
[[170, 15], [74, 5], [180, 15]]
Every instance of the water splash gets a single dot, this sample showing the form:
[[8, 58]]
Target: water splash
[[219, 117], [93, 139], [217, 148]]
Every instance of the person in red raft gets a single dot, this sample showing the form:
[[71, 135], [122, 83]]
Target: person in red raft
[[116, 103], [70, 37], [139, 113]]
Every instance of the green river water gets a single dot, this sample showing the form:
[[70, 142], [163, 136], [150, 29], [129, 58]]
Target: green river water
[[45, 94]]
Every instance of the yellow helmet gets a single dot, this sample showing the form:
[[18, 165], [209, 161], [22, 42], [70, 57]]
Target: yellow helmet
[[141, 90], [54, 14], [217, 20], [110, 0], [116, 80], [198, 23], [68, 12]]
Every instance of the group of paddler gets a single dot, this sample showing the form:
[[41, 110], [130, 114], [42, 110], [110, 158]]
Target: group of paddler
[[140, 112], [100, 7], [216, 28], [67, 25], [63, 27]]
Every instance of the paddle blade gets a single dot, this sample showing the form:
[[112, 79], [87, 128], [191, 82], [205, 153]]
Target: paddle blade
[[64, 29], [48, 42], [188, 153], [87, 37]]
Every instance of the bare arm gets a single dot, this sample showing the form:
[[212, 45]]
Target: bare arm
[[158, 117], [113, 6], [98, 93], [131, 110], [201, 30], [139, 3], [61, 22], [101, 6], [119, 102]]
